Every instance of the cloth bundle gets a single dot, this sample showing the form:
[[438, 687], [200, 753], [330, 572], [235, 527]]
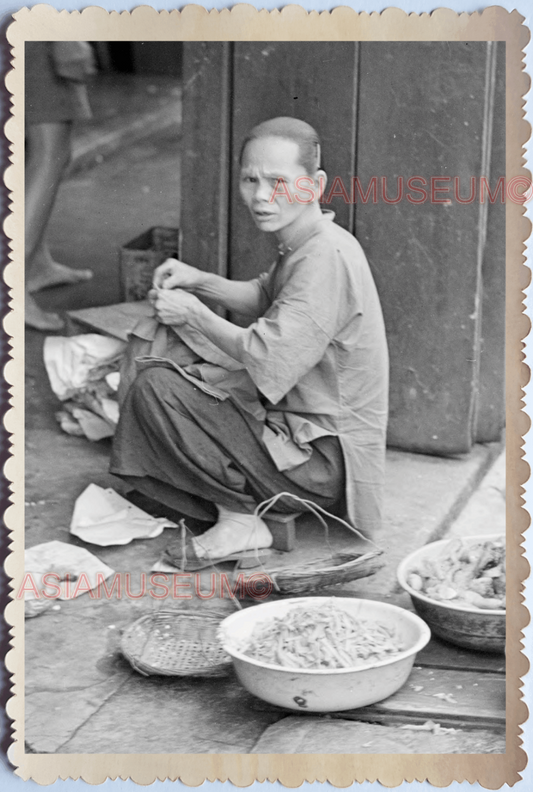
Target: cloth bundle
[[84, 374]]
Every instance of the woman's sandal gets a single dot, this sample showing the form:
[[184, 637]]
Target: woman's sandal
[[184, 557]]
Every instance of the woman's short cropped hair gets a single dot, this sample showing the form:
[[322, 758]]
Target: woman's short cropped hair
[[294, 129]]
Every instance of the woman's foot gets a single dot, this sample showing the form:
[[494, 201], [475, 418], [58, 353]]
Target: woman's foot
[[51, 273], [38, 319], [232, 533]]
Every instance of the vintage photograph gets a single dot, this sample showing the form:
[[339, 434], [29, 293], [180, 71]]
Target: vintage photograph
[[265, 397], [172, 188]]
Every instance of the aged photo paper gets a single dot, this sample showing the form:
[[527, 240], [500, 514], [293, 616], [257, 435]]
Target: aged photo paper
[[181, 136]]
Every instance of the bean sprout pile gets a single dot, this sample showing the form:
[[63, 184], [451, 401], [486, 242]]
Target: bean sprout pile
[[322, 637]]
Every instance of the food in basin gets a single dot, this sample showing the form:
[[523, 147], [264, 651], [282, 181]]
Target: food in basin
[[323, 654], [458, 587]]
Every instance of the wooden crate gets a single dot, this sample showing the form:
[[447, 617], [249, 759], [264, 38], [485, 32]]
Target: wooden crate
[[139, 258]]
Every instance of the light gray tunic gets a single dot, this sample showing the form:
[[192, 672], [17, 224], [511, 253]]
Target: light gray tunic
[[318, 353]]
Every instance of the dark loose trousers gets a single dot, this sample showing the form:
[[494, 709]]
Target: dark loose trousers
[[190, 450]]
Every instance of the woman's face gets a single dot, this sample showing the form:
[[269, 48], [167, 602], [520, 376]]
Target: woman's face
[[271, 182]]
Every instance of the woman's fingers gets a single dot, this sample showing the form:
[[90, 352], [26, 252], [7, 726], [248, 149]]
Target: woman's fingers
[[163, 273], [173, 307], [174, 274]]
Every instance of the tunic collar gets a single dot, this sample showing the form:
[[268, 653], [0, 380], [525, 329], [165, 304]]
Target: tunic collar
[[302, 232]]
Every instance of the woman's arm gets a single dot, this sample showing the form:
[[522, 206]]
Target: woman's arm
[[243, 297]]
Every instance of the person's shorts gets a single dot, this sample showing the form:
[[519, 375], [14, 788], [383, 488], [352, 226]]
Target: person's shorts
[[49, 98]]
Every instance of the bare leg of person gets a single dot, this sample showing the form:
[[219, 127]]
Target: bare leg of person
[[47, 156], [46, 272]]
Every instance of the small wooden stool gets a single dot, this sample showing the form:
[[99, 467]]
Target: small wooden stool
[[283, 529]]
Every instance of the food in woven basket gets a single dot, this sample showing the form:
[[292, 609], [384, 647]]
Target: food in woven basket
[[322, 637], [468, 574]]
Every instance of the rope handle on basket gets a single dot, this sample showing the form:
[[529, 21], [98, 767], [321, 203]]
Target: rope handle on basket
[[263, 507], [259, 512], [318, 511]]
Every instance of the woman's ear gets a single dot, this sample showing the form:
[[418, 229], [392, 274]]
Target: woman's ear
[[321, 179]]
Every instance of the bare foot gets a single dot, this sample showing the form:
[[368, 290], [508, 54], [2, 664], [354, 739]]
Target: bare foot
[[232, 533], [40, 320], [55, 274]]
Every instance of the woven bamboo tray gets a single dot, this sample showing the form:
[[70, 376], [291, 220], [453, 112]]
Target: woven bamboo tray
[[176, 643], [341, 568]]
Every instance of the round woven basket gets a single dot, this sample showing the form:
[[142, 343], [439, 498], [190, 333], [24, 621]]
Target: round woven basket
[[176, 643], [340, 568]]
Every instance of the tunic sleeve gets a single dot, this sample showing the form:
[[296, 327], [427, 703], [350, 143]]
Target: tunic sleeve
[[315, 301], [264, 292]]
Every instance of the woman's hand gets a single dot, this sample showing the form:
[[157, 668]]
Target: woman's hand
[[174, 274], [175, 306]]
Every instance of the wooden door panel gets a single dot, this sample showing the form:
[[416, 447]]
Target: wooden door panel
[[491, 397], [421, 111], [205, 154], [314, 81]]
